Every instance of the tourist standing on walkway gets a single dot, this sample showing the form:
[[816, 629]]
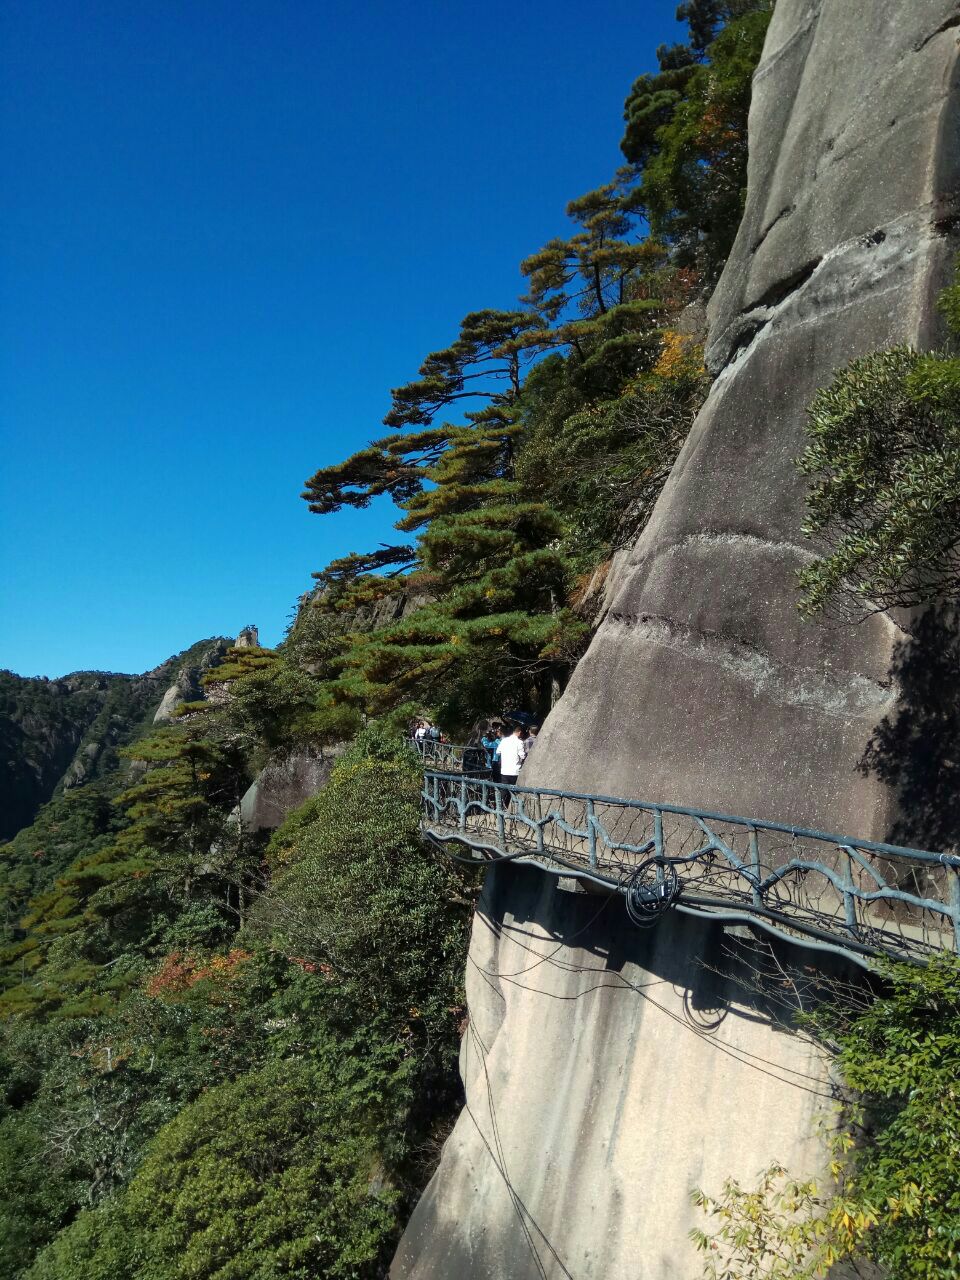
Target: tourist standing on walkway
[[490, 742], [512, 755]]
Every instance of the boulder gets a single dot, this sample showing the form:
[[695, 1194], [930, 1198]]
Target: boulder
[[284, 784]]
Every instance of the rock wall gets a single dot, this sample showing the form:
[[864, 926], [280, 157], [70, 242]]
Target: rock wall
[[609, 1070], [703, 686]]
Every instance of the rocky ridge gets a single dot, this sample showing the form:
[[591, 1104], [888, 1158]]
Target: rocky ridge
[[63, 733]]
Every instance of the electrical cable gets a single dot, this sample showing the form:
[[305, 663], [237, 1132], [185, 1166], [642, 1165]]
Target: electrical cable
[[522, 1211], [623, 984], [496, 1152]]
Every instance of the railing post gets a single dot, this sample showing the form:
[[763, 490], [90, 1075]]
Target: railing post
[[849, 907], [954, 873], [592, 832], [501, 824], [755, 863], [658, 847], [463, 804]]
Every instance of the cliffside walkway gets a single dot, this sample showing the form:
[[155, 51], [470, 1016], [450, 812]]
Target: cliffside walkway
[[857, 898]]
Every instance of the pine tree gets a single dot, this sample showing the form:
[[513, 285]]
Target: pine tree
[[483, 552], [686, 131]]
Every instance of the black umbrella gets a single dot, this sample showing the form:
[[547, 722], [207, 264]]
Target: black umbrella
[[521, 717]]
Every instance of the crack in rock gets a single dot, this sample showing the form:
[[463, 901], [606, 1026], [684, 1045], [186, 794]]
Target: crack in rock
[[785, 212], [781, 290], [946, 25], [758, 315], [745, 339], [802, 31]]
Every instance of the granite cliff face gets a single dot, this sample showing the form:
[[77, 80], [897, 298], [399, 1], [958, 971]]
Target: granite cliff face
[[608, 1071], [703, 686]]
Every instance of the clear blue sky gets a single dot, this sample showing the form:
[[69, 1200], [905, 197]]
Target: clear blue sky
[[226, 230]]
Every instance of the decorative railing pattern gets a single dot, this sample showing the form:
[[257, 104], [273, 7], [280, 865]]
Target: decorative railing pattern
[[448, 757], [854, 897]]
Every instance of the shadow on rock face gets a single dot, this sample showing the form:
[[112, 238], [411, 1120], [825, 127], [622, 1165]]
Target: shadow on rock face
[[916, 751], [716, 972]]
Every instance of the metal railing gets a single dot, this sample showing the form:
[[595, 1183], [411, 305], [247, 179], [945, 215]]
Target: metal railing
[[857, 898], [447, 757]]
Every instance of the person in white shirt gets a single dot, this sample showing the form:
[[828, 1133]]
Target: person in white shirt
[[513, 752]]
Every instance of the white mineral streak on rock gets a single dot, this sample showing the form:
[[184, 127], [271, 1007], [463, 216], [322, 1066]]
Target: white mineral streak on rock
[[593, 1104]]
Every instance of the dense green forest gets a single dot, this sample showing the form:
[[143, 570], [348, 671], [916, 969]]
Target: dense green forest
[[225, 1056]]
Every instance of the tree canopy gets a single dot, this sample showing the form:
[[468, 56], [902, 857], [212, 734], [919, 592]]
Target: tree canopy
[[686, 130], [571, 410]]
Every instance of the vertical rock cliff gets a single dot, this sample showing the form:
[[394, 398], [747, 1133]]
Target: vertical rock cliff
[[608, 1071], [703, 686]]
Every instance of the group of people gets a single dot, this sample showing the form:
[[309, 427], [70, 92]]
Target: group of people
[[506, 750], [424, 731], [501, 753]]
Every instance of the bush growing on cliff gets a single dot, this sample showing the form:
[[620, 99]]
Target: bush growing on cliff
[[885, 453], [895, 1159], [884, 456], [271, 1174], [360, 896], [901, 1054]]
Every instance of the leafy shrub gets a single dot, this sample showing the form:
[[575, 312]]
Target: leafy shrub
[[263, 1177], [885, 453], [896, 1197]]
